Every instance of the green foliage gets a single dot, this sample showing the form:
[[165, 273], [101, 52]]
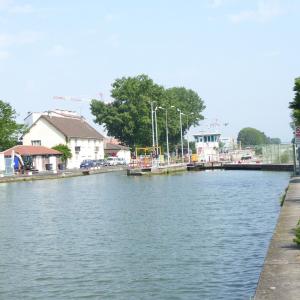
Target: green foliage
[[65, 150], [10, 130], [282, 198], [274, 141], [295, 104], [252, 137], [285, 157], [297, 234], [128, 117]]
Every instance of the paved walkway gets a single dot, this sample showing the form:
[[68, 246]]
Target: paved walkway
[[280, 278]]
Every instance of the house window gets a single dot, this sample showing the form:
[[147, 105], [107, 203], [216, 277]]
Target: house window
[[77, 149], [96, 148], [36, 143]]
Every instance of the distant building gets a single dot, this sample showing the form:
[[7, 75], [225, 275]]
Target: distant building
[[207, 146], [118, 151], [229, 143], [41, 158], [64, 127]]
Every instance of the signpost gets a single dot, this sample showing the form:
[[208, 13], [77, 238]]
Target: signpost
[[296, 144], [297, 135]]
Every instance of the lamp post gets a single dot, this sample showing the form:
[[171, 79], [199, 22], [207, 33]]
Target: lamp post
[[152, 122], [155, 117], [167, 134], [180, 120], [187, 137]]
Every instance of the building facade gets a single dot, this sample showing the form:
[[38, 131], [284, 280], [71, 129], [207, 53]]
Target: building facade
[[40, 158], [67, 128], [118, 151], [207, 146]]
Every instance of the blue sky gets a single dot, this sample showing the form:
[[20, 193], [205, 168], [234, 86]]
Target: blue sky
[[240, 56]]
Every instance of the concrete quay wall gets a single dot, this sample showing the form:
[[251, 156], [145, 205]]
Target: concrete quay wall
[[280, 277], [60, 175]]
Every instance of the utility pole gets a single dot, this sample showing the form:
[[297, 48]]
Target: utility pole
[[180, 113], [167, 134], [152, 122], [155, 116]]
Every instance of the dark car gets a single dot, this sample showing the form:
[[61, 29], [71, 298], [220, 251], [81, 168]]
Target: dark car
[[102, 162], [87, 164]]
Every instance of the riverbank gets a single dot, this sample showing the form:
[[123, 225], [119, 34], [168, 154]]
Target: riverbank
[[59, 175], [280, 277]]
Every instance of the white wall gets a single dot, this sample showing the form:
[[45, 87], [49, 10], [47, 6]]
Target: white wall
[[2, 162], [50, 136], [46, 133], [125, 154], [87, 151]]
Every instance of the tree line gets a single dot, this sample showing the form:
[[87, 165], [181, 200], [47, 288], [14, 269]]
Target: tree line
[[128, 116], [253, 137]]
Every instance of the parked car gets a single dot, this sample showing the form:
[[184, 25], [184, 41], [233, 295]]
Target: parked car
[[121, 161], [88, 163], [112, 161], [101, 163]]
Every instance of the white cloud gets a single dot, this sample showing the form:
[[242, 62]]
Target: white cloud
[[4, 55], [216, 3], [109, 17], [8, 39], [10, 6], [58, 51], [113, 41], [265, 11], [21, 9], [273, 53]]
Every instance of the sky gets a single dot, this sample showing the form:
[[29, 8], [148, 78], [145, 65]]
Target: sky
[[240, 56]]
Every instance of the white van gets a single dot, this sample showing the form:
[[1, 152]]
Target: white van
[[112, 161]]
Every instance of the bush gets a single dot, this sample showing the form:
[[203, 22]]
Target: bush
[[297, 234]]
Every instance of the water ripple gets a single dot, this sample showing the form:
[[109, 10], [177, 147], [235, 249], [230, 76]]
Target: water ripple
[[187, 236]]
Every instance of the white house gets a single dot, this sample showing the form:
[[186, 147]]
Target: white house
[[207, 146], [63, 127], [118, 151]]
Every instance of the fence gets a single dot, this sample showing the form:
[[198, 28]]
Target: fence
[[276, 154]]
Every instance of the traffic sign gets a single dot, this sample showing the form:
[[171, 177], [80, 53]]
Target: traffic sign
[[297, 135]]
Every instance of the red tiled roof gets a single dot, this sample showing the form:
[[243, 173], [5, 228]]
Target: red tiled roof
[[31, 150]]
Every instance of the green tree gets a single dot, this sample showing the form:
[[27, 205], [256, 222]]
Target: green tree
[[10, 130], [128, 117], [65, 150], [295, 104], [189, 102], [252, 137], [275, 141]]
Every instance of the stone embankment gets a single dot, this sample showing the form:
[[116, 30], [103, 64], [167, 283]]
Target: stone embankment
[[60, 175], [280, 277]]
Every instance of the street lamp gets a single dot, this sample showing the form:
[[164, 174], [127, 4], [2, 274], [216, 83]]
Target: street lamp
[[155, 117], [180, 120], [167, 134], [152, 122], [187, 137], [180, 113]]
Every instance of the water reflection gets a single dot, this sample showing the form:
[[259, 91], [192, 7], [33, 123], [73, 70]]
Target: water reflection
[[187, 236]]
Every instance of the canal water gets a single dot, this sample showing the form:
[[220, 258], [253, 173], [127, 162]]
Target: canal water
[[195, 235]]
